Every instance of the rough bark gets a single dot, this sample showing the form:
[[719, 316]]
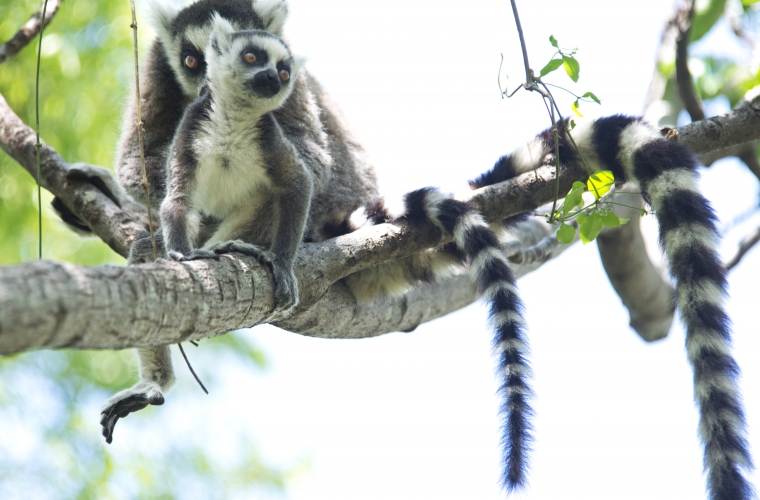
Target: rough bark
[[138, 296], [110, 307]]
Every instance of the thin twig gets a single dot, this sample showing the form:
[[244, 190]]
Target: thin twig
[[38, 144], [140, 131], [529, 78], [746, 244], [29, 30], [686, 90], [191, 368]]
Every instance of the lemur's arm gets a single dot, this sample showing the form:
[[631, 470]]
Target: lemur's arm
[[293, 202], [179, 222]]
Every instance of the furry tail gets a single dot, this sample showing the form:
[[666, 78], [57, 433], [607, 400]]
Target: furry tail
[[666, 174], [496, 284]]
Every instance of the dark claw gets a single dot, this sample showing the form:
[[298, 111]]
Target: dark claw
[[121, 409]]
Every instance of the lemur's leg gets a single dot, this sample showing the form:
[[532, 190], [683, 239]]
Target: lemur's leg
[[101, 178], [156, 377], [156, 372]]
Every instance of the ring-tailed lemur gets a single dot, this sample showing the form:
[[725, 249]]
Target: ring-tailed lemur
[[666, 173], [209, 153], [231, 162], [171, 78]]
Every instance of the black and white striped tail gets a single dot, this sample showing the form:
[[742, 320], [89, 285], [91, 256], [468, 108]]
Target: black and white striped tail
[[496, 284], [666, 174]]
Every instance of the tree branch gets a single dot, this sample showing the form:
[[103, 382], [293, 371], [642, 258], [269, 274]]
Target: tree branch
[[110, 307], [637, 281], [689, 97], [738, 126], [116, 225], [28, 31], [138, 296], [744, 246]]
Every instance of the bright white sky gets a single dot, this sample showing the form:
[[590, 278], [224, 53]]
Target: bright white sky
[[414, 416]]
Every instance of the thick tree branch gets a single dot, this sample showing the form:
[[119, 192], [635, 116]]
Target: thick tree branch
[[742, 125], [28, 31], [87, 301], [112, 307], [115, 225], [638, 283]]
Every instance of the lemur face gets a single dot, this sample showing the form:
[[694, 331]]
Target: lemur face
[[252, 65], [184, 34]]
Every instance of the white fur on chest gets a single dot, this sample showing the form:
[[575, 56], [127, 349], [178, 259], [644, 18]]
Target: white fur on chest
[[231, 171]]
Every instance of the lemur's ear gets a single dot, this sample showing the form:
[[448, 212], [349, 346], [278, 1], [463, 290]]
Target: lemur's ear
[[160, 17], [273, 13], [221, 35], [297, 64]]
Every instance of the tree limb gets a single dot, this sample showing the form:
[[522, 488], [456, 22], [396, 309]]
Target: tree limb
[[689, 97], [637, 281], [110, 307], [739, 126], [744, 246], [28, 31], [76, 294], [116, 225]]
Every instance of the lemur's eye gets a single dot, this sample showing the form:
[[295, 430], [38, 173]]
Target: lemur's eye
[[284, 75], [191, 62], [250, 57]]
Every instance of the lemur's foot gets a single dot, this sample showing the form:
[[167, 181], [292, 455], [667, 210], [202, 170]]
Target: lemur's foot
[[238, 246], [285, 288], [197, 254], [285, 283], [128, 401], [102, 179]]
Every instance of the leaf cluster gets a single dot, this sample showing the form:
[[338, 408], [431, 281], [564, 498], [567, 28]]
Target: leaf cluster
[[591, 217]]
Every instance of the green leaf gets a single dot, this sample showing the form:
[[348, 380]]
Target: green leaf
[[582, 218], [572, 67], [550, 66], [623, 221], [575, 105], [600, 182], [574, 198], [572, 122], [591, 227], [706, 17], [590, 95], [553, 41], [610, 219], [565, 234]]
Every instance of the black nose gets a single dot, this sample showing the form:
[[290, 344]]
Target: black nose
[[266, 83]]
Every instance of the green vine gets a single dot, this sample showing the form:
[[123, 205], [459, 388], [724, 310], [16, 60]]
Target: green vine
[[38, 144]]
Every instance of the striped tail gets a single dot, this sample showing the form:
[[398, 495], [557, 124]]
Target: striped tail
[[666, 173], [496, 284]]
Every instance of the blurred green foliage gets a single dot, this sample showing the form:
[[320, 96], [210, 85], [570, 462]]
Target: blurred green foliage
[[723, 76], [49, 447]]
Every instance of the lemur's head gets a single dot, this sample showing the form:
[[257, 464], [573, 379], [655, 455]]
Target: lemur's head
[[254, 66], [185, 33]]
